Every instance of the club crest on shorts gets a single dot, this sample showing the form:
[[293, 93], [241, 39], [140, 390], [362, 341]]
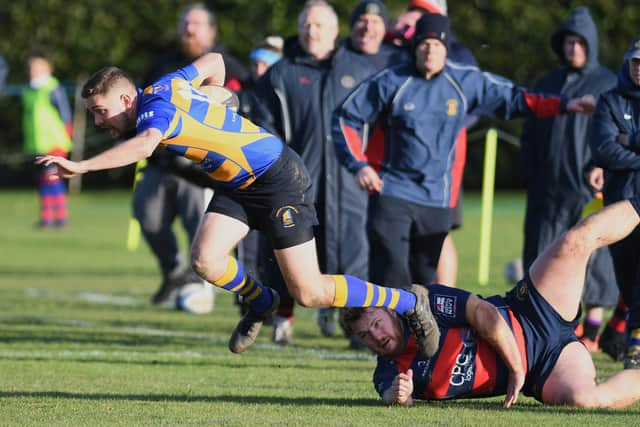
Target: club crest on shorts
[[285, 213], [522, 291]]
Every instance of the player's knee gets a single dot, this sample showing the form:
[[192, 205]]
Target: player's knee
[[206, 264]]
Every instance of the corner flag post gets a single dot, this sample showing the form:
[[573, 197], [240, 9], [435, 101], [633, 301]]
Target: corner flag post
[[488, 183], [133, 232]]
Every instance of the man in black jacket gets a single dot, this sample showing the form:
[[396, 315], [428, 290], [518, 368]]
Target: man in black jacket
[[298, 96], [161, 195], [559, 146]]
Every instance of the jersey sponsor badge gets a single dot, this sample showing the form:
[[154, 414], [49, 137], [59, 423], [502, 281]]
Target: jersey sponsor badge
[[446, 305], [144, 116]]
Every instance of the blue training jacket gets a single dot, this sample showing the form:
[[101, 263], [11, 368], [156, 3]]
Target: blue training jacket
[[422, 120], [618, 112]]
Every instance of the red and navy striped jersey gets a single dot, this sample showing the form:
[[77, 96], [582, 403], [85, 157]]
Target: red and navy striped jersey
[[464, 366]]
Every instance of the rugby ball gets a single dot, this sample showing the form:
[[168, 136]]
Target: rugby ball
[[221, 96], [196, 298]]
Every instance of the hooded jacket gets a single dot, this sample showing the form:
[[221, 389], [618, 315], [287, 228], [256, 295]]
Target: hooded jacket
[[555, 150], [297, 97], [618, 112]]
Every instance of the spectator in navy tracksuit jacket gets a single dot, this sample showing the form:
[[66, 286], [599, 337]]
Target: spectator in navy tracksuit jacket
[[297, 98], [401, 34], [425, 104], [616, 147], [560, 176]]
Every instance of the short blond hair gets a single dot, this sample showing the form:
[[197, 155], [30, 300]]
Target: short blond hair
[[103, 80]]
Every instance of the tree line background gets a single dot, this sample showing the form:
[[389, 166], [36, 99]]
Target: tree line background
[[508, 37]]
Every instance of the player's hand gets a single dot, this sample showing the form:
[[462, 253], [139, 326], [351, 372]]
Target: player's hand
[[584, 105], [66, 168], [596, 178], [516, 381], [369, 180], [403, 387]]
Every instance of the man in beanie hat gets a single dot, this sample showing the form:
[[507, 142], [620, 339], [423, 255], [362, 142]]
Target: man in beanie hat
[[424, 105], [405, 25], [615, 144], [401, 35]]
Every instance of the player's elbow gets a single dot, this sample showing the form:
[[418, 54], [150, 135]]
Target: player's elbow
[[486, 319]]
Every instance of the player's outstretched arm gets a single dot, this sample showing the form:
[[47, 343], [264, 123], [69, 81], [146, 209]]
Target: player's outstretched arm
[[137, 148], [211, 68], [492, 328], [400, 390]]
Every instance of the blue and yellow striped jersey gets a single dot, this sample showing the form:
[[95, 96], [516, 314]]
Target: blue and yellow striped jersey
[[233, 151]]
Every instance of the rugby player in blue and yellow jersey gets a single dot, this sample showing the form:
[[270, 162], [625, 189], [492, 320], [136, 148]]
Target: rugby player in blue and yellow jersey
[[524, 340], [260, 183]]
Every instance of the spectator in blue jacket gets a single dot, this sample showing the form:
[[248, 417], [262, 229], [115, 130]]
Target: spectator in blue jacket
[[425, 104], [616, 147], [401, 34], [560, 176]]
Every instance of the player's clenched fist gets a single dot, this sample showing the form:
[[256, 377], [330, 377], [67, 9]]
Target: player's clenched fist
[[400, 390]]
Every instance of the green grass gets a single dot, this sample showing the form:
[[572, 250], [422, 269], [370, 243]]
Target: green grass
[[69, 357]]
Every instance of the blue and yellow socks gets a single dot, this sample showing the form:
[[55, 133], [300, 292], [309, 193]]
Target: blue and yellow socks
[[354, 292], [633, 344], [235, 280]]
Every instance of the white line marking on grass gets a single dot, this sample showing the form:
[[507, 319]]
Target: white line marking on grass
[[93, 297], [297, 352]]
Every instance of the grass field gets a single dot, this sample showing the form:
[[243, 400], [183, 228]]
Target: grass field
[[80, 345]]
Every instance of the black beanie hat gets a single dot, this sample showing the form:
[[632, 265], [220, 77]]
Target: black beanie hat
[[432, 26], [375, 7]]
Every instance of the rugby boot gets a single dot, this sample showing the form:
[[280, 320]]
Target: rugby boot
[[631, 360], [613, 343], [282, 330], [326, 321], [170, 285], [245, 333], [422, 322]]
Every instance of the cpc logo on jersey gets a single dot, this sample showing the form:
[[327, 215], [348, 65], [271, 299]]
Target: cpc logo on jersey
[[144, 116], [446, 305]]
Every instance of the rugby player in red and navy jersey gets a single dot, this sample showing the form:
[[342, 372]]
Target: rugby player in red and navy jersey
[[523, 341]]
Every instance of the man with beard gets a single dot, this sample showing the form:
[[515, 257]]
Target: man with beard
[[162, 195], [522, 341]]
